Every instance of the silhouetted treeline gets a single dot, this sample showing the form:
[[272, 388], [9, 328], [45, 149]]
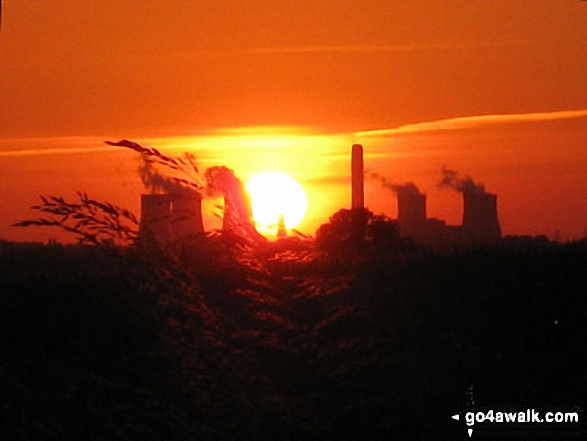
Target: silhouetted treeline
[[378, 235], [286, 341]]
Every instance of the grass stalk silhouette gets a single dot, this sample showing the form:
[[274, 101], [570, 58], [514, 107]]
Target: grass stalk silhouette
[[91, 221]]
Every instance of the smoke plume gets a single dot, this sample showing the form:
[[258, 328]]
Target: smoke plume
[[451, 179], [237, 206], [185, 179], [403, 189], [155, 182]]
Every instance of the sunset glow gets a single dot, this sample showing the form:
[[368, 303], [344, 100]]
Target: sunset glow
[[275, 194], [292, 219], [495, 90]]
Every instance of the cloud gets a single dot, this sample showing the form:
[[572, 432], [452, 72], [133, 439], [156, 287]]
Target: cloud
[[52, 151], [222, 52], [368, 48], [50, 145], [469, 122], [335, 48]]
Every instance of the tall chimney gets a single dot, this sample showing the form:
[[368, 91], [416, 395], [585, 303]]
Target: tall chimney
[[281, 230], [357, 178], [480, 217], [358, 219]]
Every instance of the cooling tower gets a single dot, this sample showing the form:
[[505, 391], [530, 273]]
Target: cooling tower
[[357, 178], [480, 217], [169, 217], [411, 210], [155, 216], [186, 215]]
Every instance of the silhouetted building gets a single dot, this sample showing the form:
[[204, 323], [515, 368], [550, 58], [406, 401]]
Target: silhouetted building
[[480, 217], [169, 217], [155, 217], [480, 222], [358, 197], [357, 177], [186, 215], [281, 230], [411, 211]]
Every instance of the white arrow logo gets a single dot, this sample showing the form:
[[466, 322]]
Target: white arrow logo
[[457, 417]]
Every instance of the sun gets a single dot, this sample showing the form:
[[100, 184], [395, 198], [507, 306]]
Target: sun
[[275, 194]]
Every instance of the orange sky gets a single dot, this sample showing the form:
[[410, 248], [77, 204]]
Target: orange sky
[[75, 73]]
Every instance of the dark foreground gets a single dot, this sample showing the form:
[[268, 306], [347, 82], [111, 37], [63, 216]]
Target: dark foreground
[[287, 344]]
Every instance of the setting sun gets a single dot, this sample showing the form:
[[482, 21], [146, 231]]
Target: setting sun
[[275, 194]]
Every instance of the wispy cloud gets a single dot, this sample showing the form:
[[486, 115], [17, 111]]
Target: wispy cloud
[[228, 51], [421, 46], [52, 151], [469, 122], [337, 48]]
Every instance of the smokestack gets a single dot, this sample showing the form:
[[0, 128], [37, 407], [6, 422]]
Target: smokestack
[[411, 210], [358, 201], [186, 215], [480, 217], [357, 178], [155, 216], [281, 230]]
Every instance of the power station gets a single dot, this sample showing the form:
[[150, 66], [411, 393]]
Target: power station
[[480, 221], [173, 217]]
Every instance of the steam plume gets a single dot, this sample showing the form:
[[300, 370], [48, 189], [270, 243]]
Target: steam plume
[[451, 179], [406, 188], [158, 183], [237, 207], [154, 181], [218, 180]]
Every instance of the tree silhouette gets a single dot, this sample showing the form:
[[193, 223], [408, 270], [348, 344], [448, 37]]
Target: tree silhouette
[[380, 233]]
